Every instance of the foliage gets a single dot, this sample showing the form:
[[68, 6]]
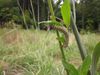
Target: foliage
[[39, 59], [87, 18], [95, 58], [9, 10], [7, 3], [66, 12], [34, 57], [47, 66], [85, 67], [70, 68], [87, 60], [5, 14]]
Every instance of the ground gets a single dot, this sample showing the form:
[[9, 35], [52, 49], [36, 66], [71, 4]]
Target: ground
[[34, 52]]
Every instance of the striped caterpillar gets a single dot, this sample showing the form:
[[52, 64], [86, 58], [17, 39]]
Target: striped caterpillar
[[65, 32]]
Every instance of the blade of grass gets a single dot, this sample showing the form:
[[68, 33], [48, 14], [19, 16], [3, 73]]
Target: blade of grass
[[95, 59]]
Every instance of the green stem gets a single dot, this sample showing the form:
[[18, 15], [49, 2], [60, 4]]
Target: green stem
[[82, 50], [78, 40], [74, 10], [76, 33], [58, 35], [54, 19]]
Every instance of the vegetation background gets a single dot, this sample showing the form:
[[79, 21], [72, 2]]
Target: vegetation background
[[27, 48]]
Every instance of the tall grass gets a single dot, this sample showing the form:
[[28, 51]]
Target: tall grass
[[36, 54]]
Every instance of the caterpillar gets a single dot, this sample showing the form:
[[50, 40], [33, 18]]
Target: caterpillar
[[65, 32]]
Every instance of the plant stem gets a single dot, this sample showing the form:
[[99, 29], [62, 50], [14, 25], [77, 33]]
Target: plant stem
[[23, 15], [76, 33], [54, 19], [58, 35], [74, 10], [33, 12], [78, 40], [38, 10]]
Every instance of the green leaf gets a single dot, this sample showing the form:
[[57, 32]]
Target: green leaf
[[61, 39], [66, 12], [85, 66], [95, 58], [70, 68], [51, 23]]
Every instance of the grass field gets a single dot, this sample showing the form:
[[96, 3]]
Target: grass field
[[34, 52]]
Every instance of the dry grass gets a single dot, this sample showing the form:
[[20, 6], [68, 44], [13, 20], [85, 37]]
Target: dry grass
[[32, 52]]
